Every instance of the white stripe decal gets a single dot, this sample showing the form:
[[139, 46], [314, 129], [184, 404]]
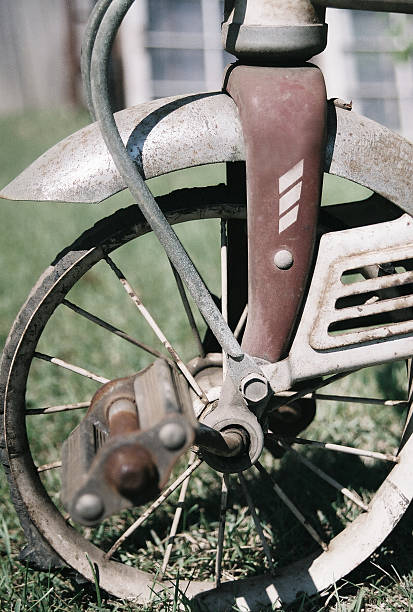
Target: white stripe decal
[[273, 596], [242, 604], [292, 175], [290, 198], [288, 219]]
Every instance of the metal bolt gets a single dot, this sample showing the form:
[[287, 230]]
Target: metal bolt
[[172, 436], [89, 506], [283, 259], [343, 104], [254, 387]]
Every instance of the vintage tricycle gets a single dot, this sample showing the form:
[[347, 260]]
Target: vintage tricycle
[[323, 293]]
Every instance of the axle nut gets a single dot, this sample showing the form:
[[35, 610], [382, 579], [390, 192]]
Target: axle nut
[[89, 506], [283, 259], [254, 387], [172, 436]]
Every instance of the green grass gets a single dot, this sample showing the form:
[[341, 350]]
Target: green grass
[[30, 236]]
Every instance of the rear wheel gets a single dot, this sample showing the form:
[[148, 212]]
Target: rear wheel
[[327, 509]]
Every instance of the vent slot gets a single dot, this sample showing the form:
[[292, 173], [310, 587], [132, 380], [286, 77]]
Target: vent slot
[[370, 322], [371, 297], [360, 274], [376, 296], [361, 294], [367, 302]]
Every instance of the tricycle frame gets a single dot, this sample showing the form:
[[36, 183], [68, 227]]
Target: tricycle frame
[[310, 354]]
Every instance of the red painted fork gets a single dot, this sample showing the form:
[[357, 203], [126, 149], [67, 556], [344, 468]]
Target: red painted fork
[[283, 113]]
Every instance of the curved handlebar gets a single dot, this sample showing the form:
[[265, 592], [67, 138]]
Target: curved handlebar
[[390, 6]]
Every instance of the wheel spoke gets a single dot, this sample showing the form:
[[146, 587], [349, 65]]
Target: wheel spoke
[[221, 529], [224, 283], [373, 401], [158, 502], [188, 311], [351, 495], [256, 520], [291, 506], [311, 388], [49, 466], [241, 322], [350, 450], [62, 408], [176, 520], [157, 330], [112, 328], [408, 424], [71, 367]]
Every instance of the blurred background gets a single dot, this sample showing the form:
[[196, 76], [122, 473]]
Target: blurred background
[[167, 47]]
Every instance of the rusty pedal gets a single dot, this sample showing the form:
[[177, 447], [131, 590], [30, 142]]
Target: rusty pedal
[[123, 451]]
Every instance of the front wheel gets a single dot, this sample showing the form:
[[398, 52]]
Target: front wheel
[[263, 535]]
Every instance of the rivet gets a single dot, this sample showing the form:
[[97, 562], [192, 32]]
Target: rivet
[[172, 436], [283, 259], [89, 506]]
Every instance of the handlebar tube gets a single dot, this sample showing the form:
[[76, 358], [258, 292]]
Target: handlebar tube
[[282, 32], [390, 6]]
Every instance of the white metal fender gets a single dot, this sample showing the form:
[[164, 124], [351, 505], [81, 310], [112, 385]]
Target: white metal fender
[[192, 130], [162, 136]]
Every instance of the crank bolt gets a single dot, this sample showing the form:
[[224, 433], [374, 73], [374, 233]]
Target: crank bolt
[[283, 259], [172, 436], [89, 506], [254, 388]]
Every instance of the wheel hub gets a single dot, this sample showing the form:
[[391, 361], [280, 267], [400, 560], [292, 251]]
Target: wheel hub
[[227, 413]]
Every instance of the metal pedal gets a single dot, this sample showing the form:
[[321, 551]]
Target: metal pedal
[[122, 453]]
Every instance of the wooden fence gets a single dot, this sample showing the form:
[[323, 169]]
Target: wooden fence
[[39, 57]]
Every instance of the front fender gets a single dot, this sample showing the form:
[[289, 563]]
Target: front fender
[[192, 130], [162, 136]]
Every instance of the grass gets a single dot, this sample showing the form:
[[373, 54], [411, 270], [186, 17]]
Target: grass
[[30, 236]]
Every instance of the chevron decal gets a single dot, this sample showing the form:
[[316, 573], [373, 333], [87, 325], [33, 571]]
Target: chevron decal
[[289, 191]]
